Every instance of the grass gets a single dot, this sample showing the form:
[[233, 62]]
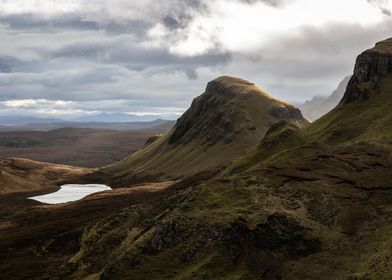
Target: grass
[[334, 186], [312, 203]]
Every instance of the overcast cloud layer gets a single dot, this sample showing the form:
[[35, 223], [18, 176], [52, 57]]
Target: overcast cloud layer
[[72, 58]]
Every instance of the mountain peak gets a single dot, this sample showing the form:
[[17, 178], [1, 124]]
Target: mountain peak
[[371, 67], [233, 86], [383, 47], [227, 105], [222, 124]]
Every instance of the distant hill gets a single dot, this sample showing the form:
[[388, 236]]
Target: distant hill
[[86, 147], [48, 124], [320, 105], [22, 175], [222, 124], [25, 120], [122, 118]]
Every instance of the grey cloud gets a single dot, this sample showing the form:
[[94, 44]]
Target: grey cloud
[[137, 57], [104, 63], [4, 68], [101, 83], [31, 21], [274, 3], [71, 21], [316, 60], [382, 5]]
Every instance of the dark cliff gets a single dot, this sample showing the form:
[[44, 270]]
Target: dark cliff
[[371, 66]]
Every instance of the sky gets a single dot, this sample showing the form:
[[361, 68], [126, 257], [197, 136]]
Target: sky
[[71, 58]]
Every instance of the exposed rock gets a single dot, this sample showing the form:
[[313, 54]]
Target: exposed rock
[[267, 246], [165, 235], [152, 139], [371, 66], [286, 113]]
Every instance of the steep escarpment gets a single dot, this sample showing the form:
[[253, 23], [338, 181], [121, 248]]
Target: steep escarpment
[[371, 67], [222, 124]]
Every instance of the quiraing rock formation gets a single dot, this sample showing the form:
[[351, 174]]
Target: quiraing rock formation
[[371, 66]]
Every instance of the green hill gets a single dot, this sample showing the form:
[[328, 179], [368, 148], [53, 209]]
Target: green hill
[[222, 124]]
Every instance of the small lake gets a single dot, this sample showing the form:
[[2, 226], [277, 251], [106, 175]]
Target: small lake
[[70, 192]]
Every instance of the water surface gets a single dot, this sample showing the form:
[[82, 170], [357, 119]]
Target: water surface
[[70, 192]]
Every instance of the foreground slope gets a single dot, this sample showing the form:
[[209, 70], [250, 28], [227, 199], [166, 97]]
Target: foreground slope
[[222, 124]]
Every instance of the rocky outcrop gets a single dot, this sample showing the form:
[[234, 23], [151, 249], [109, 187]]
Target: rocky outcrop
[[371, 66], [286, 113], [267, 246]]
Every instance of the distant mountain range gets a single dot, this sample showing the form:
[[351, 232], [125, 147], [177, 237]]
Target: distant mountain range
[[25, 120], [320, 105], [116, 121], [121, 117]]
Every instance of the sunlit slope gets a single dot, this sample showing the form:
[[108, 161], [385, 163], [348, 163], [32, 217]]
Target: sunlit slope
[[222, 124], [22, 175]]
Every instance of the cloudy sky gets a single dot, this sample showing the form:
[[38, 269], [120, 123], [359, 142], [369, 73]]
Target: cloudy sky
[[68, 58]]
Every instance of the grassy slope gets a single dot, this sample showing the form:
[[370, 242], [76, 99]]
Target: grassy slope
[[20, 175], [306, 204], [240, 120]]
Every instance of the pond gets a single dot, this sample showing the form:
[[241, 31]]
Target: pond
[[70, 192]]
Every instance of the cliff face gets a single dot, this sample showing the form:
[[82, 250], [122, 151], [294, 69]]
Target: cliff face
[[371, 66]]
